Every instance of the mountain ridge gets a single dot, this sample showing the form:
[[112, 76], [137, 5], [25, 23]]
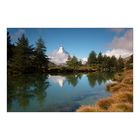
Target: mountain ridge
[[59, 56]]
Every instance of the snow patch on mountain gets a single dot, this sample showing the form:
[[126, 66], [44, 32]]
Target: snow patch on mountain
[[59, 56]]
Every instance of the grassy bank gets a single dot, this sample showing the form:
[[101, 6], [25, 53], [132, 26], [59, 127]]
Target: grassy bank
[[64, 69], [121, 99]]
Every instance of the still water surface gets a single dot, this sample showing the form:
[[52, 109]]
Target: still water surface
[[55, 93]]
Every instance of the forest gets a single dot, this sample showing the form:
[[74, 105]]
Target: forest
[[23, 57]]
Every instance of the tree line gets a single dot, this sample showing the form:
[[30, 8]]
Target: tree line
[[98, 62], [105, 63], [23, 58]]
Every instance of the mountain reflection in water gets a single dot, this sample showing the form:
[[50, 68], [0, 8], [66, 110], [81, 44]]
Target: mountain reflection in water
[[67, 92], [58, 79]]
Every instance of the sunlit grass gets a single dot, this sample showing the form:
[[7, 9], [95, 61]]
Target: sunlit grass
[[105, 103], [121, 99], [121, 107], [88, 108]]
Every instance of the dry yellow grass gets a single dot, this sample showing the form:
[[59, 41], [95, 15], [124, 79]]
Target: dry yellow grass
[[121, 99], [104, 104], [88, 108], [121, 107]]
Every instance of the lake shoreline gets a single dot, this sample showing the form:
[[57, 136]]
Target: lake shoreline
[[121, 99], [56, 92]]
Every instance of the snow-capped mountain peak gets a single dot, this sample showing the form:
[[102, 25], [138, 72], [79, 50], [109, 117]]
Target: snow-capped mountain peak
[[59, 56], [60, 50]]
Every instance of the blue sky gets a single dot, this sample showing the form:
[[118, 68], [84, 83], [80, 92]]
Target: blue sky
[[76, 41]]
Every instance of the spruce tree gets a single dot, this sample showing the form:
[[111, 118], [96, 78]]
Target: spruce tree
[[73, 62], [40, 59], [92, 58], [100, 58], [10, 47], [120, 65], [21, 61]]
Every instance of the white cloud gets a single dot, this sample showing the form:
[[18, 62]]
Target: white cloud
[[121, 46], [117, 30], [118, 52]]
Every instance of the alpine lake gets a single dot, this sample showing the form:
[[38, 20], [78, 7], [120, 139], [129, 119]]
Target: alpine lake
[[55, 93]]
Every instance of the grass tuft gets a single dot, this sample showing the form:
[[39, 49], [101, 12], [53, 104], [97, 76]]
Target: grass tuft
[[88, 108], [124, 97], [121, 107], [105, 103]]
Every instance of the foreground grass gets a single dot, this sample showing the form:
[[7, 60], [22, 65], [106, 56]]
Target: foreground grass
[[121, 99]]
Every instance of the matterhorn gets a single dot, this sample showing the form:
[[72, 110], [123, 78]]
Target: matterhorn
[[59, 56]]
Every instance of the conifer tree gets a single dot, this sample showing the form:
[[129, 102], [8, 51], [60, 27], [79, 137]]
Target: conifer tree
[[100, 58], [21, 61], [92, 58], [40, 59], [73, 62], [120, 65]]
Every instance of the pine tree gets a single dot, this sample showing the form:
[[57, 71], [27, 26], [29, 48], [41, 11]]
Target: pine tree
[[92, 58], [120, 65], [40, 59], [100, 58], [21, 61], [10, 47], [73, 62], [129, 63]]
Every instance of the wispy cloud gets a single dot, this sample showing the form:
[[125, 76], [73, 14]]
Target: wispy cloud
[[117, 30], [121, 46], [17, 34]]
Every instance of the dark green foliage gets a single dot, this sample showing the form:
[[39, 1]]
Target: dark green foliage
[[22, 55], [10, 48], [120, 64], [24, 87], [22, 58], [72, 80], [40, 60], [111, 64], [73, 62], [92, 58], [129, 63], [100, 58]]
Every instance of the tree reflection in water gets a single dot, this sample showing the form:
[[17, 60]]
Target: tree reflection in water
[[72, 79], [22, 88], [29, 92], [98, 77]]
